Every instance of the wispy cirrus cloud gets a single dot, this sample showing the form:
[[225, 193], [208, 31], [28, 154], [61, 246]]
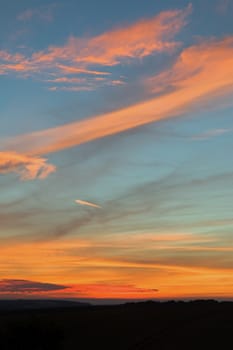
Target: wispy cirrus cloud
[[201, 72], [81, 56], [210, 134], [82, 84], [135, 41], [124, 264], [193, 71], [28, 168]]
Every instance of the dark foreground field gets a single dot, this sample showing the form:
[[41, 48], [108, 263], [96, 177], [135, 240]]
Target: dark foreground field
[[149, 325]]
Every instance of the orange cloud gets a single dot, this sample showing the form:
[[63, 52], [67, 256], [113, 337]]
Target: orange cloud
[[80, 55], [201, 72], [66, 80], [79, 201], [135, 41], [28, 168], [104, 290], [75, 70]]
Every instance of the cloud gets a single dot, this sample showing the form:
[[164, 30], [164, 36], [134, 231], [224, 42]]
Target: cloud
[[28, 168], [201, 72], [79, 201], [210, 134], [17, 286], [44, 13], [124, 264], [135, 41], [12, 287], [82, 55], [71, 88], [108, 290], [81, 84]]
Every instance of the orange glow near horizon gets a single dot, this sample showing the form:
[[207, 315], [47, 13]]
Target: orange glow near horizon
[[75, 262]]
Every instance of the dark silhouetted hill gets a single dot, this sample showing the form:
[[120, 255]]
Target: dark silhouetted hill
[[23, 304], [133, 326]]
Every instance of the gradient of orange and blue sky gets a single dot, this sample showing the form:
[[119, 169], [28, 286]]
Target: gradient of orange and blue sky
[[116, 139]]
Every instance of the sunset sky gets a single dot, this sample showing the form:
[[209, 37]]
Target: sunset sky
[[116, 141]]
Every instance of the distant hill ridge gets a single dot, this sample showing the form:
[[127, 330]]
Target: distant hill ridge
[[25, 304]]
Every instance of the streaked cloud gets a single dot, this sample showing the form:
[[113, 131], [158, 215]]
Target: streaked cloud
[[193, 71], [81, 84], [17, 286], [82, 55], [27, 167], [14, 287], [123, 268], [134, 41], [153, 213], [202, 72], [89, 204], [211, 133], [114, 290]]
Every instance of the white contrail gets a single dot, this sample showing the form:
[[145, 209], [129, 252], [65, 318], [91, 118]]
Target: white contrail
[[79, 201]]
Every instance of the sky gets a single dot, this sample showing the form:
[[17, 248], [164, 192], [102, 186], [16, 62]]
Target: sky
[[116, 138]]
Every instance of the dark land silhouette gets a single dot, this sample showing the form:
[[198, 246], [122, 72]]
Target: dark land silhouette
[[42, 325]]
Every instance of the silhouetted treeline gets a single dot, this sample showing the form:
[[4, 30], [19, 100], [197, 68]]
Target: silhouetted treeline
[[148, 325]]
